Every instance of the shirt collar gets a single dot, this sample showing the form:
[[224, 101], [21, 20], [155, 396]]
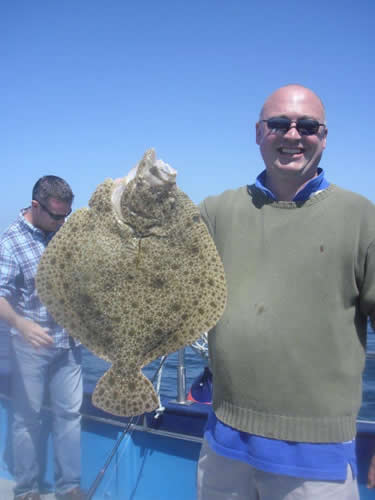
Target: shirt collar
[[318, 183]]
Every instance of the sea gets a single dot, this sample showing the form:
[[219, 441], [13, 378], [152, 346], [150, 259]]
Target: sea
[[94, 367]]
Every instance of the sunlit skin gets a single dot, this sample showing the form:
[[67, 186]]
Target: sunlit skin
[[40, 218], [291, 159]]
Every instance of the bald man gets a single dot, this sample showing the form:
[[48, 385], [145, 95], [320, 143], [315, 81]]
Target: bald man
[[287, 355]]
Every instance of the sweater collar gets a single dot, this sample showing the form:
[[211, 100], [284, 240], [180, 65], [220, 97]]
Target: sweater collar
[[316, 184]]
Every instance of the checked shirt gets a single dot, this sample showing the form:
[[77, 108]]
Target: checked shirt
[[21, 247]]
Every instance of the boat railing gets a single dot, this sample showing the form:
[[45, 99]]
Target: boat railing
[[200, 346], [181, 377]]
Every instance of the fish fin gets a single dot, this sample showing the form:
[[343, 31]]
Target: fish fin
[[125, 396], [171, 342]]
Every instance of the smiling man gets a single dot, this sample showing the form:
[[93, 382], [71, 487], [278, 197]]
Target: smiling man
[[43, 356], [288, 353], [291, 134]]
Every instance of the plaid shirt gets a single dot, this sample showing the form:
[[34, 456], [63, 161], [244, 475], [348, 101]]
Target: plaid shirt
[[21, 247]]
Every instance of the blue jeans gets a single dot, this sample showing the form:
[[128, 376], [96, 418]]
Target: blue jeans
[[34, 372]]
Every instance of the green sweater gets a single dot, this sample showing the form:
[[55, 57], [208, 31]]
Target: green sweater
[[288, 353]]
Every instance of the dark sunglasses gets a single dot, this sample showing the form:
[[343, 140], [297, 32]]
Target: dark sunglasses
[[305, 126], [53, 216]]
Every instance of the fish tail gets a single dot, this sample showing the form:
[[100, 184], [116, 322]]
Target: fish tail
[[128, 397]]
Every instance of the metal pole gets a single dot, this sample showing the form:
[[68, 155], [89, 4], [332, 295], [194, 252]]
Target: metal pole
[[95, 484], [181, 377]]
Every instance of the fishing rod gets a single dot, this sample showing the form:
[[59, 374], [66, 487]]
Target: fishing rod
[[98, 479], [95, 484]]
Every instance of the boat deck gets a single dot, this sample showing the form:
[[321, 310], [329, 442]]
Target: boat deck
[[6, 491]]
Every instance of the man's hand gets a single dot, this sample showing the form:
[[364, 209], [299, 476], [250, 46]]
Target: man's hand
[[34, 333], [371, 473], [31, 331]]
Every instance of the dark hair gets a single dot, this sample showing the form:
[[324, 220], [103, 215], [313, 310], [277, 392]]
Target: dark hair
[[51, 186]]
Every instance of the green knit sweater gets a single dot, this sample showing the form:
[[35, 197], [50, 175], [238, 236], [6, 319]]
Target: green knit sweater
[[288, 353]]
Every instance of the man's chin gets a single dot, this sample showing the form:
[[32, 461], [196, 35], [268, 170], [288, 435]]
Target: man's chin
[[292, 168]]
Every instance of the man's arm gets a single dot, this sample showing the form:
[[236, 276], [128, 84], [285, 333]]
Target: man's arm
[[206, 217], [371, 473], [31, 331], [9, 273], [371, 469]]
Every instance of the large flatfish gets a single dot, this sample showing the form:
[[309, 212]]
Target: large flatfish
[[133, 277]]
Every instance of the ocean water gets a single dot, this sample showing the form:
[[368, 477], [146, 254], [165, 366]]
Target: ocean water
[[94, 367]]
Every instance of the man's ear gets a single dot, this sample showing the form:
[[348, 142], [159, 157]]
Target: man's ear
[[258, 132], [324, 137], [34, 203]]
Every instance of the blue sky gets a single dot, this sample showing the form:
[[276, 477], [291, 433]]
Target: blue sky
[[86, 86]]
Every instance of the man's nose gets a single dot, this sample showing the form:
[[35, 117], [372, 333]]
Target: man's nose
[[292, 132]]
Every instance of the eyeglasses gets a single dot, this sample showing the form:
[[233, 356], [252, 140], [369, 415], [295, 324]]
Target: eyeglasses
[[53, 216], [305, 126]]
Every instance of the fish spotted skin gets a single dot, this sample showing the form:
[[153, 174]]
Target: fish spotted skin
[[135, 276]]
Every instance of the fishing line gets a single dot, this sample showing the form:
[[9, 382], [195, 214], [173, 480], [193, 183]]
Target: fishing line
[[130, 427]]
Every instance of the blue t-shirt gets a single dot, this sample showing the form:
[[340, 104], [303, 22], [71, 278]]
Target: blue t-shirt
[[319, 461]]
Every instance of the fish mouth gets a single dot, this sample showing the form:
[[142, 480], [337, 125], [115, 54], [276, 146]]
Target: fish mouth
[[116, 198], [152, 171], [155, 174], [162, 173]]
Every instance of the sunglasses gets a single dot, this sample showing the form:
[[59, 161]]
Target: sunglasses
[[53, 216], [305, 126]]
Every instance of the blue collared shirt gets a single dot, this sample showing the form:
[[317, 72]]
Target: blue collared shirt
[[21, 247], [318, 183], [319, 461]]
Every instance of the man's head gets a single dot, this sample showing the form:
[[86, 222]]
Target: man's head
[[51, 202], [292, 149]]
